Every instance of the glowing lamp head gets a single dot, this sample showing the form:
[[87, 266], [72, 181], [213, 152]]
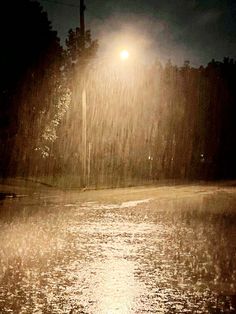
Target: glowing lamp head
[[124, 55]]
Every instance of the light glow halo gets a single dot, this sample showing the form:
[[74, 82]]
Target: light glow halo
[[124, 54]]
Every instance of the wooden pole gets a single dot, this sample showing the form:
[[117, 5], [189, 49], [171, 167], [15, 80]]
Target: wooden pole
[[82, 21], [84, 136], [89, 163], [84, 104]]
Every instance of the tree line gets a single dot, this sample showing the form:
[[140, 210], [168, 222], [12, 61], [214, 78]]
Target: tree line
[[144, 123]]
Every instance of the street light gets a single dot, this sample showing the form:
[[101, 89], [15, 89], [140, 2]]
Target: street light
[[124, 55]]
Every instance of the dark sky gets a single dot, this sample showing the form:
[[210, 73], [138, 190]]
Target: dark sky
[[197, 30]]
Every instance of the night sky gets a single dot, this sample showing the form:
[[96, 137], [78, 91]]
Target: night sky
[[195, 30]]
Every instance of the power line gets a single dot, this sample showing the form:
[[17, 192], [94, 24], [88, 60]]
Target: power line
[[62, 3]]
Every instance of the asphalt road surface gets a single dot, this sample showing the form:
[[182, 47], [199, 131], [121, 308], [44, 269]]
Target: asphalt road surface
[[124, 251]]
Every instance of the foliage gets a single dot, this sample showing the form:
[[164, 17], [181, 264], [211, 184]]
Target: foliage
[[31, 58], [80, 49], [49, 132], [155, 123]]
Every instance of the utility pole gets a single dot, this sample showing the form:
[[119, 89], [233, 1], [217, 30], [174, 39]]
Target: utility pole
[[84, 101], [82, 21], [84, 137]]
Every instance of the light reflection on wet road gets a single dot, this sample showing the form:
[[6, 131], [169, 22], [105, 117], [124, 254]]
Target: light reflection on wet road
[[154, 256]]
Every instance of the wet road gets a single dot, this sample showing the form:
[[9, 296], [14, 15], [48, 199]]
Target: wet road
[[156, 250]]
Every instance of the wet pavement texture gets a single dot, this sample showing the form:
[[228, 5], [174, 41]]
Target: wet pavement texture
[[174, 252]]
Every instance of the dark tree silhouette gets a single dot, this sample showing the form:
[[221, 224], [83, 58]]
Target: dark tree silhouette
[[30, 62], [80, 49], [78, 56], [163, 122]]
